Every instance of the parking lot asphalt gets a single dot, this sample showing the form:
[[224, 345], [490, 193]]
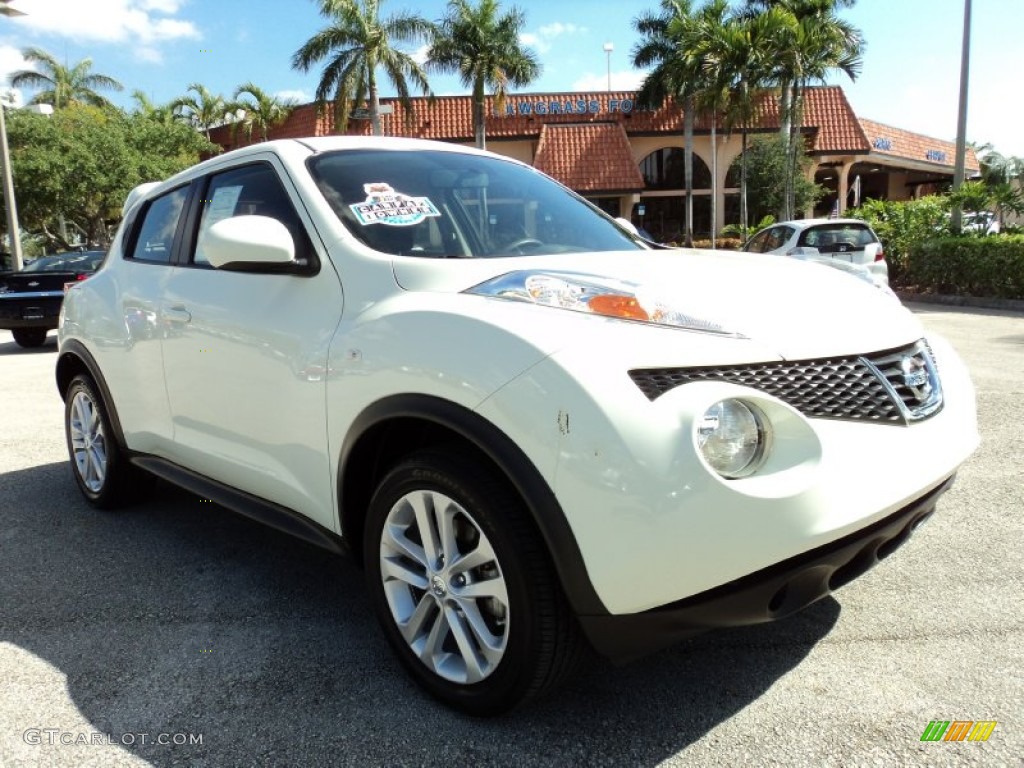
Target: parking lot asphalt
[[175, 633]]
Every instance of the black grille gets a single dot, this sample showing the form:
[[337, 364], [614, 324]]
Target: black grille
[[861, 388]]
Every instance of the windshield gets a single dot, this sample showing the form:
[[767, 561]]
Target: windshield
[[439, 204], [77, 261]]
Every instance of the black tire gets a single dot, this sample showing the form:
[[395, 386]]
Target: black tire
[[100, 468], [29, 337], [541, 641]]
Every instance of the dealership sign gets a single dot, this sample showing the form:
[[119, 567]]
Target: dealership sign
[[565, 107]]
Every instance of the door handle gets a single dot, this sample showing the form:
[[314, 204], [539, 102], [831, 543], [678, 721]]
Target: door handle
[[178, 314]]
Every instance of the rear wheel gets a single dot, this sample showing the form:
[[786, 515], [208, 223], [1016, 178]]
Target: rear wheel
[[101, 470], [29, 337], [463, 586]]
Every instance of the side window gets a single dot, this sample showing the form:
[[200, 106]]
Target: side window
[[760, 242], [155, 238], [252, 190]]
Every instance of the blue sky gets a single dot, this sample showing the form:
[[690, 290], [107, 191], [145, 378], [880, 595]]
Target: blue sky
[[910, 77]]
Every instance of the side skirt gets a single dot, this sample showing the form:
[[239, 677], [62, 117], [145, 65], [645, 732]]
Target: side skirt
[[261, 510]]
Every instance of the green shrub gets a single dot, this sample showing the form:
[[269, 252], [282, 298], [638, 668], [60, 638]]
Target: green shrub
[[971, 266], [721, 244], [904, 225]]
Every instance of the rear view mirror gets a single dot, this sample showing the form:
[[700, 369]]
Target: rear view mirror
[[249, 244]]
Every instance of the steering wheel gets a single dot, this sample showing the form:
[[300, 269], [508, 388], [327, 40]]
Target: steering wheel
[[524, 242]]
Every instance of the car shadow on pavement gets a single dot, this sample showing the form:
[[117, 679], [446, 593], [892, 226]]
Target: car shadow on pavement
[[9, 347], [177, 617]]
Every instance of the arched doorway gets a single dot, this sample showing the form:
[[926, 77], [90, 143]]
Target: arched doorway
[[663, 201]]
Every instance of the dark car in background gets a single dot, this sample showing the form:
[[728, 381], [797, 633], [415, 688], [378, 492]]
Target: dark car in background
[[30, 300]]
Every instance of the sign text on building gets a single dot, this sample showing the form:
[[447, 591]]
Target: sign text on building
[[566, 107]]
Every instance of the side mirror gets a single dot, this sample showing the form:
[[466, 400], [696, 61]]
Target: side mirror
[[628, 225], [250, 244]]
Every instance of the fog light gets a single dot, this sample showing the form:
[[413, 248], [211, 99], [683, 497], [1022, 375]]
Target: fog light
[[732, 438]]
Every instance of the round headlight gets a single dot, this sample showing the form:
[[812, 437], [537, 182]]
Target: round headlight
[[731, 437]]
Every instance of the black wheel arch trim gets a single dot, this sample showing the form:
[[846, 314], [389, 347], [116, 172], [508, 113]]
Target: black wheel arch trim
[[511, 461], [71, 348]]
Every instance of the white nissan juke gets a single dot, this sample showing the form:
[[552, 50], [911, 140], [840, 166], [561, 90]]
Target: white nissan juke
[[531, 427]]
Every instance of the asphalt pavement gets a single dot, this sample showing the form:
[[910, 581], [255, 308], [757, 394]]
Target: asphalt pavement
[[176, 633]]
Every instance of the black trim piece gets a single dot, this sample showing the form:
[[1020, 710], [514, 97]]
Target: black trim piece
[[510, 459], [769, 594], [260, 510], [74, 348]]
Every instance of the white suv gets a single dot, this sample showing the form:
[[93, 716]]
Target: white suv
[[846, 244], [530, 426]]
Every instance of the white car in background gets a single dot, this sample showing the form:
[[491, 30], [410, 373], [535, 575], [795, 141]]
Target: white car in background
[[847, 244], [530, 426]]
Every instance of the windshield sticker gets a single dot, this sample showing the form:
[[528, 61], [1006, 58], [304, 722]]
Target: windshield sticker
[[384, 205]]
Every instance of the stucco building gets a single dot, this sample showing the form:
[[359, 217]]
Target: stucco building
[[628, 160]]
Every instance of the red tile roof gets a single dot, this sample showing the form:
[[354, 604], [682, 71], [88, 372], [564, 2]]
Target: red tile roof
[[588, 157], [898, 143], [829, 120]]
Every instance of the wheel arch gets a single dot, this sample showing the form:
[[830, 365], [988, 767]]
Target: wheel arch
[[74, 359], [390, 428]]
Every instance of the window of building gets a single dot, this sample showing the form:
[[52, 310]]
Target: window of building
[[664, 169]]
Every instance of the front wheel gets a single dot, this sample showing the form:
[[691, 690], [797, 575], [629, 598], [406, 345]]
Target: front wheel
[[463, 585]]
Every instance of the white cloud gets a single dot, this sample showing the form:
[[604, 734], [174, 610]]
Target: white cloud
[[113, 21], [624, 80], [542, 39], [420, 54], [11, 61], [297, 95]]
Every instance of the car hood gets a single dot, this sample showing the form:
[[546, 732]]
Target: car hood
[[800, 310]]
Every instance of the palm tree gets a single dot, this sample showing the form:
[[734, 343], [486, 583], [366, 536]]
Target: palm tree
[[262, 111], [484, 49], [355, 44], [203, 110], [62, 86], [810, 42], [732, 50], [709, 25], [159, 113], [666, 39]]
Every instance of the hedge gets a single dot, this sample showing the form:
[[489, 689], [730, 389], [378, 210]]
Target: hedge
[[971, 266]]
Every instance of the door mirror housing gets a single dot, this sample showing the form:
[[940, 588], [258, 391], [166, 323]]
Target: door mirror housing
[[250, 244]]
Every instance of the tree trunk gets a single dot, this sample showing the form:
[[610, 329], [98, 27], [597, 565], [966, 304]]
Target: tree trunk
[[375, 110], [744, 214], [786, 140], [479, 114], [714, 179], [688, 169]]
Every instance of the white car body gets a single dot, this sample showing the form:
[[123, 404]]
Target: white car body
[[849, 245], [258, 390]]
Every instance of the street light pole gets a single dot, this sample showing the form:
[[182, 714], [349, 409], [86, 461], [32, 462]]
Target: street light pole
[[12, 209], [608, 48], [961, 126], [5, 156]]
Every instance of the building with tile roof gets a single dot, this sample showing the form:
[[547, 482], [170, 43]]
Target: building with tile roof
[[627, 160]]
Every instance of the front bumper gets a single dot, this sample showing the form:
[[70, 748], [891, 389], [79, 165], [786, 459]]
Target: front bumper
[[769, 594]]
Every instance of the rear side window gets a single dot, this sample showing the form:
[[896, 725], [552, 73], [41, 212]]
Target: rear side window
[[154, 240]]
